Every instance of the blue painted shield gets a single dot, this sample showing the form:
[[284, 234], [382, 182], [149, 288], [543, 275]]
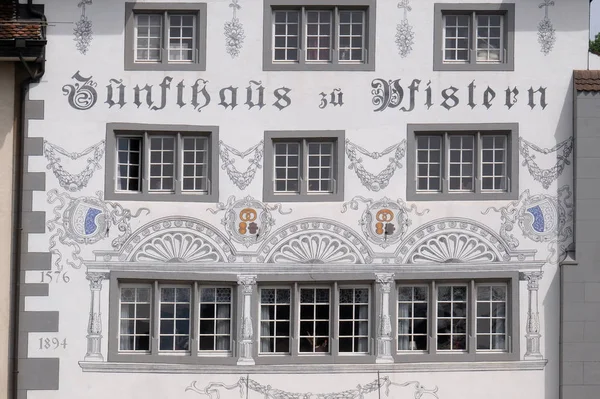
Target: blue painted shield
[[541, 217]]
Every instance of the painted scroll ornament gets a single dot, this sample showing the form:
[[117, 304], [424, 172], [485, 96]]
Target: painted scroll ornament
[[546, 31], [248, 221], [241, 179], [546, 176], [541, 218], [375, 182], [69, 181], [234, 32], [83, 29], [85, 221], [244, 385], [405, 35], [384, 222]]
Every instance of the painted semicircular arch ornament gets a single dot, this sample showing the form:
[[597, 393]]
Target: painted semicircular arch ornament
[[453, 241], [177, 239], [315, 241]]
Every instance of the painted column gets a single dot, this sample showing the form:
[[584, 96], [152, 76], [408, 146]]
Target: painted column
[[248, 282], [384, 332], [533, 316], [94, 337]]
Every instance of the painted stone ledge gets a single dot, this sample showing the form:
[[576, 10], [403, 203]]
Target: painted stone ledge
[[114, 367]]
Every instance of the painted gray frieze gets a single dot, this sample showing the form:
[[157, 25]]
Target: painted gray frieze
[[248, 221], [384, 222], [371, 181], [73, 181], [241, 179], [85, 221], [546, 31], [245, 384], [545, 176], [541, 218], [83, 29], [234, 31], [405, 35]]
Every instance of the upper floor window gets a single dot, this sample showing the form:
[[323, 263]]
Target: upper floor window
[[474, 37], [307, 35], [165, 36], [303, 166], [158, 163], [462, 162]]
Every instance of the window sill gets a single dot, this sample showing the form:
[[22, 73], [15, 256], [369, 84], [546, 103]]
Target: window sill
[[473, 67], [164, 66], [114, 367], [161, 197], [270, 197], [274, 66], [461, 196]]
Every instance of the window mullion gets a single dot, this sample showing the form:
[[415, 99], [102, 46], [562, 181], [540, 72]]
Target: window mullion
[[302, 36], [473, 36], [334, 36], [303, 159], [164, 57], [433, 319], [295, 316], [178, 166], [145, 163], [477, 162], [471, 317], [156, 317], [446, 163], [194, 319], [334, 333]]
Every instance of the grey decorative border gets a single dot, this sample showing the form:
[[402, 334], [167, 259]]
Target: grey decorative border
[[34, 373], [246, 384]]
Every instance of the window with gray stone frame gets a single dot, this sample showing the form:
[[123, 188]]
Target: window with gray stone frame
[[474, 36], [462, 162], [304, 166], [314, 35], [161, 162], [458, 318], [165, 36]]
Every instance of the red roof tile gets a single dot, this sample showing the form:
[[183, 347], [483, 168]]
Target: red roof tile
[[11, 27], [587, 80]]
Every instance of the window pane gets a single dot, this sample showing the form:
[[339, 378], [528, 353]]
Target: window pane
[[215, 319], [318, 35], [491, 317], [162, 166], [489, 38], [148, 36], [174, 319], [452, 318], [181, 37], [429, 152], [493, 163], [320, 167], [286, 167], [275, 320], [285, 35], [461, 171], [354, 328], [412, 318], [128, 163], [456, 38], [134, 332], [195, 164], [351, 40], [314, 320]]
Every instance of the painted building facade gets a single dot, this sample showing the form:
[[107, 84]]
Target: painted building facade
[[298, 198]]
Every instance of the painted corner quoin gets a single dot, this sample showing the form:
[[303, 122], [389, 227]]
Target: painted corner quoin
[[34, 373]]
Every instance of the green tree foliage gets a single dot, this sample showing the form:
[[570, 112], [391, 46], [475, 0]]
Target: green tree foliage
[[595, 45]]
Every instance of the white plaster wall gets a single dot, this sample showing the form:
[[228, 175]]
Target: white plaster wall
[[75, 130], [594, 62]]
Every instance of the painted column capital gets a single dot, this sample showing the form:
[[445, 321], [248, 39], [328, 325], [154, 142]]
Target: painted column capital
[[385, 281]]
